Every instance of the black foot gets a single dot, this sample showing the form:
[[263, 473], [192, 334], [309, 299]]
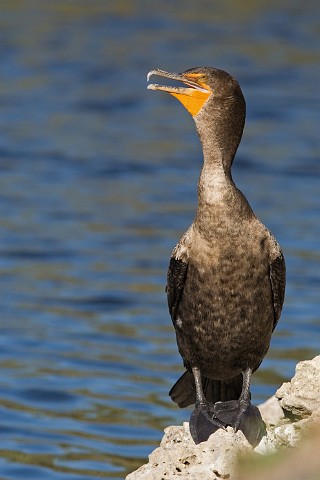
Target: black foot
[[230, 412], [248, 420], [203, 424], [207, 419]]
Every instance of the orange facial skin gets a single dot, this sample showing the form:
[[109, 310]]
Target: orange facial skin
[[193, 96]]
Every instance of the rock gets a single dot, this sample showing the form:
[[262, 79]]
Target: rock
[[288, 415], [271, 411], [301, 396], [301, 462], [279, 438], [179, 457]]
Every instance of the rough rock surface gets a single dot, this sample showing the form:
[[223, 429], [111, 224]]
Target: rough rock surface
[[301, 396], [179, 457], [294, 408]]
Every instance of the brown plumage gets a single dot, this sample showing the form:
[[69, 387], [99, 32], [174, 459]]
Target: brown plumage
[[226, 277]]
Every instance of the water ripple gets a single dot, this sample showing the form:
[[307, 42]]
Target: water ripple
[[98, 181]]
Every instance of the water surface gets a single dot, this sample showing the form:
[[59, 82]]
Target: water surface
[[98, 181]]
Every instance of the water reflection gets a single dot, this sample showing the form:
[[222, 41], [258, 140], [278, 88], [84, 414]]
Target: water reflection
[[97, 182]]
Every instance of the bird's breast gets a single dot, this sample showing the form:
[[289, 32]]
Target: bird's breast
[[226, 308]]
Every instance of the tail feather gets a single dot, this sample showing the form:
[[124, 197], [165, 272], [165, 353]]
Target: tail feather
[[183, 391]]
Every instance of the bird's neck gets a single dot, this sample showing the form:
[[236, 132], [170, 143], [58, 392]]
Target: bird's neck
[[222, 208], [215, 181], [219, 125], [214, 184], [218, 205]]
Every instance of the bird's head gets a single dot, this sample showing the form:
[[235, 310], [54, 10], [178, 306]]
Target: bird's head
[[192, 95], [213, 98]]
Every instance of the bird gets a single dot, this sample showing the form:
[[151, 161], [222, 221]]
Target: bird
[[226, 276]]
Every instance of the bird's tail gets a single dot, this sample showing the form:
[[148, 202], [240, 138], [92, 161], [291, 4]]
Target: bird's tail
[[183, 391]]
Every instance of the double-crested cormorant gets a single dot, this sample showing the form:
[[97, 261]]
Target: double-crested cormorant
[[226, 278]]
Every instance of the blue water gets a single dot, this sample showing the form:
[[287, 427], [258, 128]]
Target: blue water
[[97, 183]]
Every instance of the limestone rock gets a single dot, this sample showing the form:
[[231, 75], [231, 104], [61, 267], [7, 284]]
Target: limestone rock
[[178, 456], [280, 438], [301, 396], [271, 411], [299, 463], [288, 415]]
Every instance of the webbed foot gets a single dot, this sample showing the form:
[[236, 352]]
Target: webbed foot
[[203, 423], [241, 416]]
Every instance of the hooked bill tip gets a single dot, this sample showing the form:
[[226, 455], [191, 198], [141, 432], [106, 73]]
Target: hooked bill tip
[[152, 72]]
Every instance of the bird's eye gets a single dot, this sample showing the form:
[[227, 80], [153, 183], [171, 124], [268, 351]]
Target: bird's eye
[[203, 78]]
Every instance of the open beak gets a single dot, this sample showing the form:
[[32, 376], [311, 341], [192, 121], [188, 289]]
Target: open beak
[[193, 95], [191, 80]]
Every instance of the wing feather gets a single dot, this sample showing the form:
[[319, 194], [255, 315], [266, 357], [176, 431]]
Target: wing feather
[[177, 274], [278, 284]]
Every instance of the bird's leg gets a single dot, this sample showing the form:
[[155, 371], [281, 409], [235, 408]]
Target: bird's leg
[[231, 412], [200, 398], [203, 421], [244, 399], [241, 414], [201, 401]]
